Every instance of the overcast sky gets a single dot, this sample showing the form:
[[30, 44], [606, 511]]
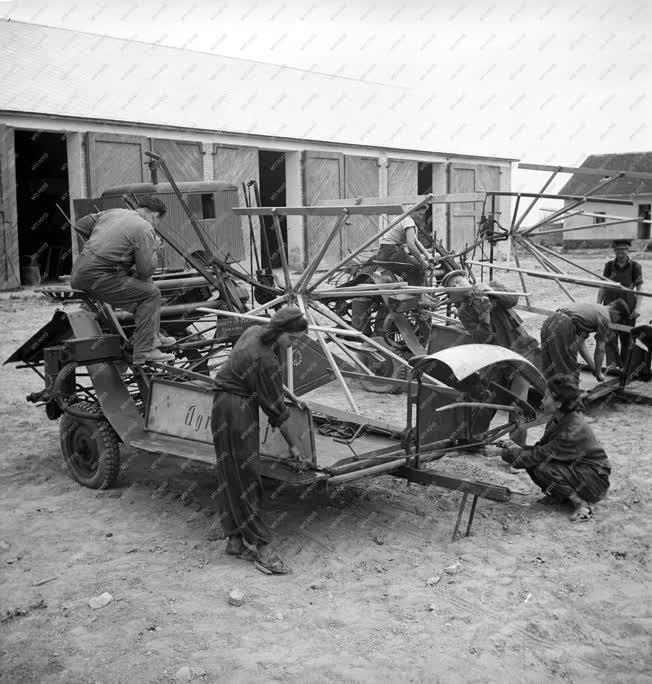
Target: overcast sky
[[547, 82]]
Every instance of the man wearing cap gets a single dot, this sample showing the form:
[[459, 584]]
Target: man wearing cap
[[568, 463], [118, 257], [629, 273], [250, 380]]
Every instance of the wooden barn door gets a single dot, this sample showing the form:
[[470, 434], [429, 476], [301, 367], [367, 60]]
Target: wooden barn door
[[237, 165], [9, 261], [184, 159], [115, 160], [402, 178], [361, 180], [323, 180], [465, 217]]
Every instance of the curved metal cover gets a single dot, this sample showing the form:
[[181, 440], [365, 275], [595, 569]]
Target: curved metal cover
[[455, 366]]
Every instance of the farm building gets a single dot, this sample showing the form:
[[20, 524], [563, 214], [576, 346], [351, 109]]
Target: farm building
[[597, 213], [78, 111]]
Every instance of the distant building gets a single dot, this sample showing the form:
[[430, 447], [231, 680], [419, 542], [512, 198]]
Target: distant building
[[78, 111], [599, 213]]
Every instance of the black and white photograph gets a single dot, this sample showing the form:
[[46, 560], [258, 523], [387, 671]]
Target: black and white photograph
[[325, 341]]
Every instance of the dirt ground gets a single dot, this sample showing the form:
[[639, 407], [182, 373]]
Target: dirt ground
[[529, 597]]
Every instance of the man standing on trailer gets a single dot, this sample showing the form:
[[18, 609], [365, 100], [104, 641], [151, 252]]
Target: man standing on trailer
[[564, 334], [116, 266], [629, 273]]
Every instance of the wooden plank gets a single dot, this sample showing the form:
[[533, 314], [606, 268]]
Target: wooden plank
[[485, 490], [321, 210], [584, 171], [396, 199], [351, 417]]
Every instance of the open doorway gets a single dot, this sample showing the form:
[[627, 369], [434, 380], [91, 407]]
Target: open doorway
[[271, 171], [643, 232], [44, 239], [424, 186]]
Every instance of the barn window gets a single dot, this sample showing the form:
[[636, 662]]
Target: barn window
[[207, 206]]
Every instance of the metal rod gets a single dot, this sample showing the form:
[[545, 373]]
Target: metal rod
[[329, 355], [371, 240], [569, 279], [584, 227], [572, 205], [514, 213], [349, 353], [459, 515], [546, 267], [260, 319], [533, 202], [520, 275], [308, 273], [474, 503], [270, 304], [572, 263]]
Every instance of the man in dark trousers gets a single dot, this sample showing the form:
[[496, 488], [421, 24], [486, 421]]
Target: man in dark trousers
[[568, 463], [116, 265], [629, 273], [564, 334]]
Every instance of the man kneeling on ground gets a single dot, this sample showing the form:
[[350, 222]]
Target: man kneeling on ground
[[116, 267], [568, 462]]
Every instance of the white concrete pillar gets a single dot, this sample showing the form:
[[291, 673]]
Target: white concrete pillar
[[77, 178]]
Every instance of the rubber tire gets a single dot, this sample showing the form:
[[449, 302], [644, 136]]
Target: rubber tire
[[101, 437], [377, 385]]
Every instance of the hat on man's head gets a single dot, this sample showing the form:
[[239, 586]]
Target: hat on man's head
[[621, 242], [450, 275], [289, 319]]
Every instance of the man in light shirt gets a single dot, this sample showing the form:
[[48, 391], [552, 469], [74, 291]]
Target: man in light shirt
[[116, 264]]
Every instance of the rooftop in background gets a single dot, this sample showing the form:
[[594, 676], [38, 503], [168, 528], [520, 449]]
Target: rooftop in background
[[627, 161], [65, 73]]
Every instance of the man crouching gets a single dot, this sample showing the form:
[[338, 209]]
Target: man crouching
[[568, 462]]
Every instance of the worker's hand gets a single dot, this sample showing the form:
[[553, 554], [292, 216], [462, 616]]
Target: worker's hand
[[635, 315], [510, 450], [300, 405], [295, 453]]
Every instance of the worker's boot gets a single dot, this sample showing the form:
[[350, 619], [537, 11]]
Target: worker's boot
[[152, 355], [164, 340]]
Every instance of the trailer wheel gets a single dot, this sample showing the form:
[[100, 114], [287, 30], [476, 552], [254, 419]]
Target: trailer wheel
[[91, 449], [384, 366]]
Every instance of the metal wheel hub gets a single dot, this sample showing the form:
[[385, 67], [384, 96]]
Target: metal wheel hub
[[85, 453]]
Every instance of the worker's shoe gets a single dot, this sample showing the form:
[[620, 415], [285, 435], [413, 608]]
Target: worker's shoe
[[152, 355], [165, 341]]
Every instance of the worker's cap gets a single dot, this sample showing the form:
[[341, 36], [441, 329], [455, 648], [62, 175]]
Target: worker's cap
[[450, 275], [289, 319], [564, 388], [622, 242]]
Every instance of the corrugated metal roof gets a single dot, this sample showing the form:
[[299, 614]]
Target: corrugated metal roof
[[54, 71], [626, 161]]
